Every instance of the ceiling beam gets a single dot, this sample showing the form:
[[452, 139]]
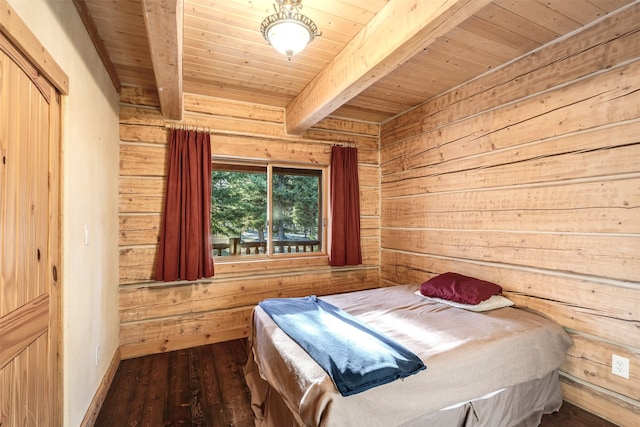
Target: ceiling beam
[[399, 31], [164, 22]]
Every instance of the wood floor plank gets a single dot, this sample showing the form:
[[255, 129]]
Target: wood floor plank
[[134, 414], [212, 403], [177, 412], [204, 386], [197, 412], [572, 416], [156, 396], [121, 391], [230, 361]]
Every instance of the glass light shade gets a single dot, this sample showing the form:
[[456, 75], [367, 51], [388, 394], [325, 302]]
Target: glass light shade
[[288, 30], [288, 36]]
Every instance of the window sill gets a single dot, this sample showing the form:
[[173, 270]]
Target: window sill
[[239, 265]]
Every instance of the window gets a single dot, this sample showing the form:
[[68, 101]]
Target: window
[[266, 209]]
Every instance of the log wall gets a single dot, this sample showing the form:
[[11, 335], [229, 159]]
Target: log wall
[[157, 317], [529, 176]]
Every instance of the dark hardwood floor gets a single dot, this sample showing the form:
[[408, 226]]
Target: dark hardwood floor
[[201, 386], [204, 386]]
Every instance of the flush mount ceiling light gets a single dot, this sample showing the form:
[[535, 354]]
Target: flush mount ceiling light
[[288, 30]]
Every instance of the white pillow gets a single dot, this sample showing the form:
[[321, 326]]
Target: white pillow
[[496, 301]]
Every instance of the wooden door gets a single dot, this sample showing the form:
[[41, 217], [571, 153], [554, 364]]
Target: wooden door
[[29, 249]]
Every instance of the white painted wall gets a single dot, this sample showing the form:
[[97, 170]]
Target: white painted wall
[[90, 196]]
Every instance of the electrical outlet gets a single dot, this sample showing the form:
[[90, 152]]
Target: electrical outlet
[[97, 354], [620, 366]]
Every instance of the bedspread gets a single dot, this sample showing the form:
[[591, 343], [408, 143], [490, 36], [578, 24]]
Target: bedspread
[[355, 356], [468, 354]]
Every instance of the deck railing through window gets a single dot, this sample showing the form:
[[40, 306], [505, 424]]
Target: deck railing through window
[[236, 247]]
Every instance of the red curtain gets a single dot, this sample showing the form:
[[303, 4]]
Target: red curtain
[[345, 207], [184, 252]]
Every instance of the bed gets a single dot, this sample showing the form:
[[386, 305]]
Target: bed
[[491, 368]]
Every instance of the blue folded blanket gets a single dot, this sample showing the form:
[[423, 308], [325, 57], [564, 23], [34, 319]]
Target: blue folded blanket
[[355, 356]]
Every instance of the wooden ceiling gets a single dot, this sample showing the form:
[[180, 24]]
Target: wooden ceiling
[[374, 60]]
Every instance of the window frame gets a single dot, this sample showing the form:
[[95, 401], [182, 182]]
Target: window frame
[[231, 164]]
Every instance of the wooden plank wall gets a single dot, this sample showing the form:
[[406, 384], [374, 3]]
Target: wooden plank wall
[[157, 317], [529, 176]]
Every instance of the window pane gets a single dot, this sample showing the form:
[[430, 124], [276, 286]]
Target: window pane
[[238, 210], [296, 200]]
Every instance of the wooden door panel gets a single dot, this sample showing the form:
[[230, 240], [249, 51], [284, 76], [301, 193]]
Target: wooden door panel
[[29, 248], [22, 382], [21, 327]]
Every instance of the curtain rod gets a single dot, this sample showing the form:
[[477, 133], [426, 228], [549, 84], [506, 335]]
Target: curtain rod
[[344, 144], [183, 126]]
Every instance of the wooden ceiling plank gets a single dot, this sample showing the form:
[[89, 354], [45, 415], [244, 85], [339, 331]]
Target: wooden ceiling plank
[[350, 13], [335, 18], [245, 78], [351, 113], [399, 93], [517, 44], [383, 106], [370, 5], [207, 71], [396, 34], [610, 5], [224, 35], [222, 91], [164, 22], [237, 81], [233, 63], [510, 21], [126, 25], [217, 23], [403, 88], [116, 7], [123, 57], [227, 82], [580, 11], [264, 64], [103, 10], [477, 49], [541, 14], [211, 45]]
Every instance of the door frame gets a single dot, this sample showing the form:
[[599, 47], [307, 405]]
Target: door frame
[[27, 44]]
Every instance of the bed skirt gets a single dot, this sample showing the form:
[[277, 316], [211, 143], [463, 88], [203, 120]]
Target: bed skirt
[[521, 405]]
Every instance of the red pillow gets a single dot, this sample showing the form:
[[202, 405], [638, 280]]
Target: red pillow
[[459, 288]]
